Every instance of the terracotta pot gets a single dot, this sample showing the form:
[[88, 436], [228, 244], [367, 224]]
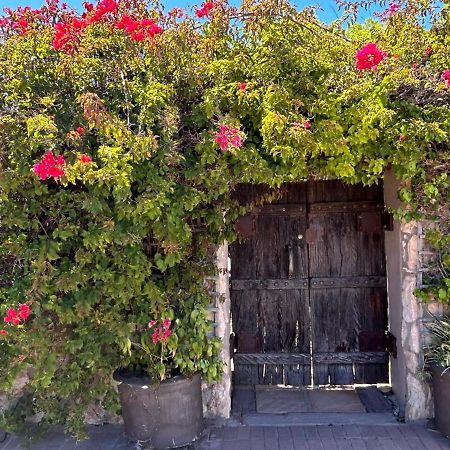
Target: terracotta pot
[[164, 415], [441, 393]]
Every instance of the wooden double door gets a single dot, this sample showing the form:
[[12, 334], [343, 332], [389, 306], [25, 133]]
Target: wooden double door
[[308, 287]]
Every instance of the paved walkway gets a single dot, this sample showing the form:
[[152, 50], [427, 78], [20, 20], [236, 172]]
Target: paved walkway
[[242, 437]]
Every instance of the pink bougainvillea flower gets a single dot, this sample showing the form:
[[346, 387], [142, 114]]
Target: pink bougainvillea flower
[[393, 7], [4, 22], [138, 30], [388, 12], [164, 335], [223, 142], [63, 39], [150, 27], [369, 56], [12, 317], [176, 13], [222, 137], [85, 159], [446, 76], [88, 6], [156, 334], [21, 25], [161, 334], [103, 8], [138, 36], [228, 138], [127, 24], [306, 124], [108, 5], [79, 24], [243, 86], [236, 141], [24, 311], [131, 25], [205, 9], [50, 166], [67, 34], [3, 332]]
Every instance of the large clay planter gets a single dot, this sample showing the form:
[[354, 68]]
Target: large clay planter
[[164, 415], [441, 393]]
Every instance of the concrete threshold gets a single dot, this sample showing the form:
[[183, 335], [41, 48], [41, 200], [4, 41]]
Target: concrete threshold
[[314, 419]]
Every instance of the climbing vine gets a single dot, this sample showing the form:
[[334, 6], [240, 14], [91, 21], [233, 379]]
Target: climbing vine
[[123, 132]]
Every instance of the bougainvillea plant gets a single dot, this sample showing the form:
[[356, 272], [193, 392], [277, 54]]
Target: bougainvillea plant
[[123, 132]]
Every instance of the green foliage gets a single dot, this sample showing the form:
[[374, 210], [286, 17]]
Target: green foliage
[[439, 350], [131, 236]]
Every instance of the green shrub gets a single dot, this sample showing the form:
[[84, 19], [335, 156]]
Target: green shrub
[[121, 141]]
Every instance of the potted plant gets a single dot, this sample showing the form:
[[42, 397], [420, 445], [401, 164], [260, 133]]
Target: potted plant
[[160, 378], [438, 362]]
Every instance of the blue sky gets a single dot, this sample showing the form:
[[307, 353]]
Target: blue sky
[[328, 9]]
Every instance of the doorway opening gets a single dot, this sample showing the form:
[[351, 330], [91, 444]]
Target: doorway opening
[[309, 300]]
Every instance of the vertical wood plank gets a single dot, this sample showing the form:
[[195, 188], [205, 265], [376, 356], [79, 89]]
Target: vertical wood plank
[[333, 331], [244, 314], [293, 256], [295, 334], [373, 318], [270, 319]]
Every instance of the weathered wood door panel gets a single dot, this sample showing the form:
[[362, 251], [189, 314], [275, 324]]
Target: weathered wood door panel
[[346, 253], [309, 287], [273, 291]]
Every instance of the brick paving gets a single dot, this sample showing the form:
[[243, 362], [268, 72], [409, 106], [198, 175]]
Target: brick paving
[[239, 437]]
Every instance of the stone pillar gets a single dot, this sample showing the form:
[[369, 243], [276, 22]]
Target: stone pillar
[[406, 312], [217, 395], [418, 394]]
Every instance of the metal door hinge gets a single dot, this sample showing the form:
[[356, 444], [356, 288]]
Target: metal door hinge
[[314, 234], [391, 344], [247, 343], [245, 226], [370, 222], [387, 219]]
